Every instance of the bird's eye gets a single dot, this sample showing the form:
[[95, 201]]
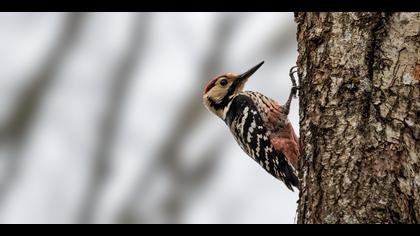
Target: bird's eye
[[223, 82]]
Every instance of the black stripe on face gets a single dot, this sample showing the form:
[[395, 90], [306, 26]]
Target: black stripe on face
[[227, 98]]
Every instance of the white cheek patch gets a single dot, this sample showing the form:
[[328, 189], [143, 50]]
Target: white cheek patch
[[219, 95]]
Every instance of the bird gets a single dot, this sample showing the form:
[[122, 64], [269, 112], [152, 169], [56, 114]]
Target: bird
[[258, 123]]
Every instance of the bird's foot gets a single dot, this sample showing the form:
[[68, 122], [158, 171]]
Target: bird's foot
[[292, 71], [295, 87]]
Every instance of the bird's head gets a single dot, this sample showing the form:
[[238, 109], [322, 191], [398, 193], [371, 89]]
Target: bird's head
[[220, 91]]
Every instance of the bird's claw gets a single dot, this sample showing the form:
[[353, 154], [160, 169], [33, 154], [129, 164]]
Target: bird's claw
[[291, 69], [292, 76], [294, 91], [295, 88]]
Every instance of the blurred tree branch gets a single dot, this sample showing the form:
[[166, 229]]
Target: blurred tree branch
[[15, 130], [186, 180], [28, 105], [281, 42], [109, 125], [168, 158]]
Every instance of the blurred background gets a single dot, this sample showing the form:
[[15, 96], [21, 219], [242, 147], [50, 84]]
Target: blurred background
[[101, 117]]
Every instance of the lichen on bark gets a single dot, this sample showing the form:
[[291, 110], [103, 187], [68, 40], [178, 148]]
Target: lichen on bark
[[359, 117]]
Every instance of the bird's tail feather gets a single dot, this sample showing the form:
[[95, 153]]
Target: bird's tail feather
[[291, 178]]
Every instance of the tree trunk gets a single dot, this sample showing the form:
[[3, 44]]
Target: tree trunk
[[359, 117]]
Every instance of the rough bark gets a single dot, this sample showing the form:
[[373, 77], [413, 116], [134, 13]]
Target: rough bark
[[359, 117]]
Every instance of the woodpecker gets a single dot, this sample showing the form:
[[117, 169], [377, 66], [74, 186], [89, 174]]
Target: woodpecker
[[258, 123]]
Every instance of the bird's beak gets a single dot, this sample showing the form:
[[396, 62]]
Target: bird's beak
[[243, 77]]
